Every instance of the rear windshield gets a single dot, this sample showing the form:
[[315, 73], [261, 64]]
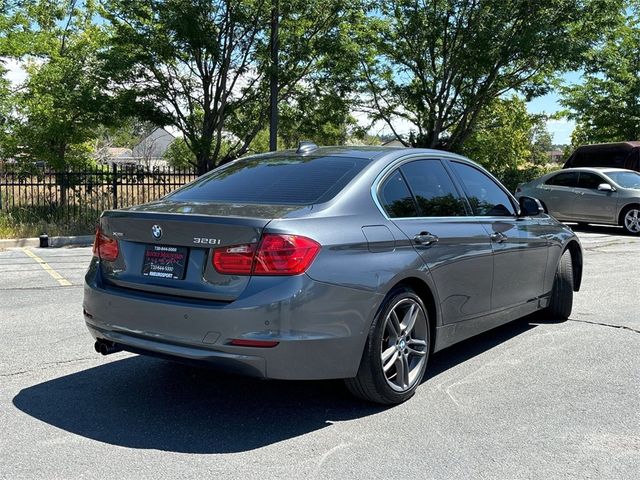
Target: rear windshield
[[625, 179], [274, 180]]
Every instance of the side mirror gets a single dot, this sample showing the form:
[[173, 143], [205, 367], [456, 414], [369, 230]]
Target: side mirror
[[605, 187], [530, 207]]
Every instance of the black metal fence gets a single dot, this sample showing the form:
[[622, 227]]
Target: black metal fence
[[75, 198]]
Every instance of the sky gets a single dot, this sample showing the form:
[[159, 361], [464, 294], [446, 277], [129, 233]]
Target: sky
[[560, 129]]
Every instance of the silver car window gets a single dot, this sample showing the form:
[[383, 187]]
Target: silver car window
[[485, 196], [564, 179], [590, 180], [396, 197], [433, 189]]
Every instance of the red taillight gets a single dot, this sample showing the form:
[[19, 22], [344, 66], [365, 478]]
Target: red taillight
[[285, 255], [105, 248], [235, 260], [276, 255]]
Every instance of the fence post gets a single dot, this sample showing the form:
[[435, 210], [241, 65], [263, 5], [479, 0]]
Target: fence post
[[114, 185]]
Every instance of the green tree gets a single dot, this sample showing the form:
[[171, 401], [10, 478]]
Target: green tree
[[606, 104], [64, 98], [438, 64], [203, 65], [501, 139], [541, 140], [507, 141], [179, 155]]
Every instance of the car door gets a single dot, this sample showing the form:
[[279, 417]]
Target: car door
[[520, 245], [422, 200], [558, 194], [591, 204]]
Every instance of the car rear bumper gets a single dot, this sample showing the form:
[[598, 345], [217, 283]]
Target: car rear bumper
[[320, 328]]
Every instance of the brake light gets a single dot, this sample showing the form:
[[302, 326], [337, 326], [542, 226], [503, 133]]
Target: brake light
[[276, 254], [104, 247], [235, 260]]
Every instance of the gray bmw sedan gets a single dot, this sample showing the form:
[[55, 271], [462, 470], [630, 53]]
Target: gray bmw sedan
[[322, 263]]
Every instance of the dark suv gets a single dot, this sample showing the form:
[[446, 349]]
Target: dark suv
[[611, 155]]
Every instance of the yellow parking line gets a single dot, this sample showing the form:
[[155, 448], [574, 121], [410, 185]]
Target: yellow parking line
[[47, 268]]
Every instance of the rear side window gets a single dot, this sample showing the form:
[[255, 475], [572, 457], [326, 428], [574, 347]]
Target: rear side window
[[274, 180], [589, 180], [569, 179], [485, 196], [433, 189], [396, 197]]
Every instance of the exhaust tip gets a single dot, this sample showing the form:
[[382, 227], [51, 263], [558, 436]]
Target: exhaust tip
[[104, 347]]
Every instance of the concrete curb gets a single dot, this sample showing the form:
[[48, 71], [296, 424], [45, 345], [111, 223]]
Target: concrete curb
[[80, 240]]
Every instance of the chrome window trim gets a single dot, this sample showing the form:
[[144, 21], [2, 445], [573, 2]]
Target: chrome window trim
[[389, 169], [398, 162]]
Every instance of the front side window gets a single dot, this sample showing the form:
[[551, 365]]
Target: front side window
[[396, 197], [485, 196], [566, 179], [433, 189], [589, 180]]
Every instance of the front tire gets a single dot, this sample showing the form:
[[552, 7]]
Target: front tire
[[561, 302], [397, 350], [631, 220]]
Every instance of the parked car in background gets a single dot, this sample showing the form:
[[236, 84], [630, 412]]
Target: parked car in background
[[611, 155], [609, 196], [353, 263]]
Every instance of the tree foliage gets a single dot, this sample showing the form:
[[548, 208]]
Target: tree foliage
[[509, 142], [202, 65], [437, 64], [606, 104], [64, 99]]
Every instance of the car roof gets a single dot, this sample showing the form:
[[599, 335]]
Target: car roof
[[606, 146], [366, 152]]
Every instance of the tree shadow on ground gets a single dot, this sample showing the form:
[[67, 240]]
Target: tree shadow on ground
[[143, 402]]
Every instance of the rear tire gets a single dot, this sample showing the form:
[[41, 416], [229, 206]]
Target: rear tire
[[561, 302], [397, 350]]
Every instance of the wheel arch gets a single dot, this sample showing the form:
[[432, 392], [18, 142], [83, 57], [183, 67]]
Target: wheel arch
[[577, 260], [623, 211], [423, 290]]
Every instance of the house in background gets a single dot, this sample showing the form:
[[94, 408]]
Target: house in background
[[149, 152], [555, 155]]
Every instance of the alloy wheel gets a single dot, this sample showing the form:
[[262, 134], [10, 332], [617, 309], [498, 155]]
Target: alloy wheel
[[404, 345], [632, 220]]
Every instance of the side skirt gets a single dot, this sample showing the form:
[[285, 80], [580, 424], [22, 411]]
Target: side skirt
[[450, 334]]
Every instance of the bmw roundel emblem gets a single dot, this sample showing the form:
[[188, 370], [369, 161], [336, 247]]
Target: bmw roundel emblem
[[156, 231]]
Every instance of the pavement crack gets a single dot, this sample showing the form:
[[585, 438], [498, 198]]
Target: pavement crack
[[46, 366], [623, 327]]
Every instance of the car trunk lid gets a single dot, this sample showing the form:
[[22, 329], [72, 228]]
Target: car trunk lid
[[166, 247]]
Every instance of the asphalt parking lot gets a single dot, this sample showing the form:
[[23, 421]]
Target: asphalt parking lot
[[533, 399]]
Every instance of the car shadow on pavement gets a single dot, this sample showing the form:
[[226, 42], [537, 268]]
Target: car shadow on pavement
[[143, 402]]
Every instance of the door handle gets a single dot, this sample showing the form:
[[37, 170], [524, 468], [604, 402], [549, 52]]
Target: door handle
[[498, 237], [425, 238]]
